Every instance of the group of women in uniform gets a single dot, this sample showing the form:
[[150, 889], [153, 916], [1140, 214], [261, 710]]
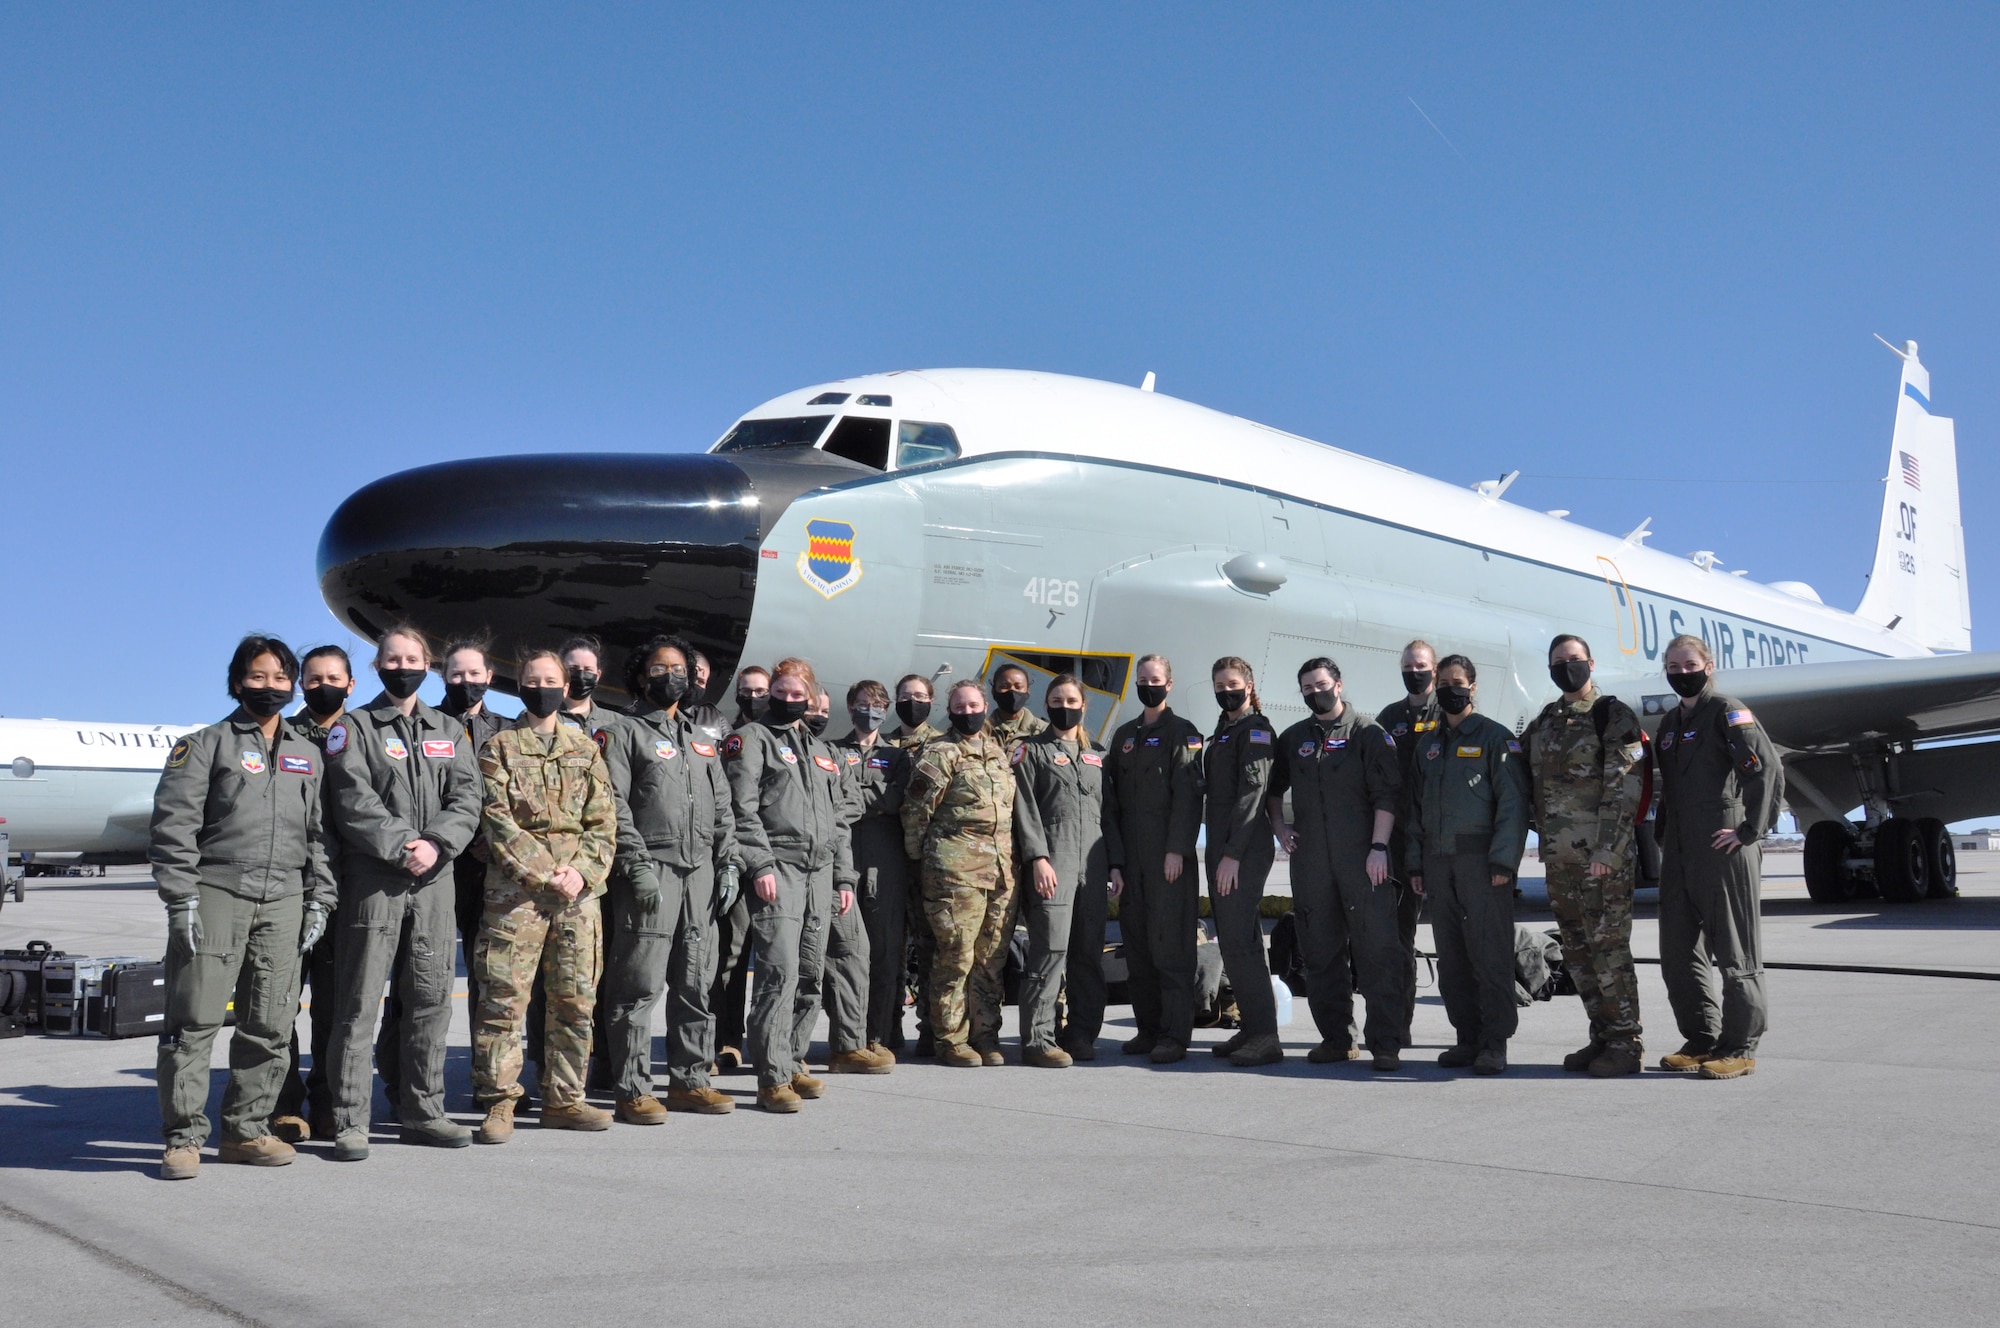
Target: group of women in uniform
[[608, 847]]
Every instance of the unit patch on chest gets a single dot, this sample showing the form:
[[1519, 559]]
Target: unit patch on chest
[[396, 748], [665, 749], [1060, 759], [253, 762], [791, 757], [1127, 748], [1308, 747]]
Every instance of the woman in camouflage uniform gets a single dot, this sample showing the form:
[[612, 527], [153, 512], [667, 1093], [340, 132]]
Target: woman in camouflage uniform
[[551, 826]]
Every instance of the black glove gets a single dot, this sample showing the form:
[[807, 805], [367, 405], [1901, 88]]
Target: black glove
[[314, 927], [184, 928], [726, 890]]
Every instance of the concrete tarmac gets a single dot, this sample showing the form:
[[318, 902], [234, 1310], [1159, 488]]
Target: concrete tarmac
[[1852, 1180]]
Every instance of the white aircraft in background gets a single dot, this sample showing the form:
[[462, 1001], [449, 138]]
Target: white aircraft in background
[[72, 791], [940, 521]]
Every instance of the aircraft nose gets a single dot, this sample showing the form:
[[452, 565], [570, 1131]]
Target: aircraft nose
[[530, 549]]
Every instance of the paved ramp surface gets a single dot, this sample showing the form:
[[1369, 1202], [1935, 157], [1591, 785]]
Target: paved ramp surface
[[1854, 1179]]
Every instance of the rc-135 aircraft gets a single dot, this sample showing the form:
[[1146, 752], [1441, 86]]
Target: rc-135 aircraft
[[941, 521]]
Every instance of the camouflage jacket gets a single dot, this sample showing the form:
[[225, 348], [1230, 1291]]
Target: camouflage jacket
[[1013, 732], [1587, 788], [1718, 770], [548, 805], [240, 814], [913, 740], [392, 778], [958, 812], [1153, 789], [790, 799]]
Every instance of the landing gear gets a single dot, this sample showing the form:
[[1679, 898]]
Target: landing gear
[[1902, 867], [1829, 844], [1900, 859], [1940, 857]]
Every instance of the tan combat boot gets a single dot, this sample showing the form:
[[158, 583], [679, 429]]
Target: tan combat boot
[[989, 1054], [779, 1098], [642, 1110], [854, 1062], [1047, 1058], [727, 1061], [498, 1127], [264, 1151], [1263, 1049], [703, 1101], [577, 1115], [292, 1129], [957, 1053], [806, 1086], [881, 1054], [1728, 1067], [1685, 1061], [181, 1162]]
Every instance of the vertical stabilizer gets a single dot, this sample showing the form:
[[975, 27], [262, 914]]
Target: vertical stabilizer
[[1918, 589]]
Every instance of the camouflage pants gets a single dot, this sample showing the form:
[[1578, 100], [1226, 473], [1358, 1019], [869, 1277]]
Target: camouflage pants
[[517, 940], [971, 928], [1594, 916]]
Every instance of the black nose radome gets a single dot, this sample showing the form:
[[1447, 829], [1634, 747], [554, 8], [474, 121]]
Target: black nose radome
[[530, 549]]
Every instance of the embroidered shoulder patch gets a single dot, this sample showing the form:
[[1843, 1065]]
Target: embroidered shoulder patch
[[1020, 750], [1513, 747], [1260, 735], [336, 740], [1194, 742], [178, 757], [1739, 719], [733, 745]]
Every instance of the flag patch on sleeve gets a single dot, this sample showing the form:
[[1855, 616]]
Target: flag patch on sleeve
[[1739, 719]]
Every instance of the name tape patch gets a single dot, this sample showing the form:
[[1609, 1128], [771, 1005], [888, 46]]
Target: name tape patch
[[295, 765], [440, 749]]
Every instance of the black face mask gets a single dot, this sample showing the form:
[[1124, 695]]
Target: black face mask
[[666, 689], [1232, 700], [1010, 703], [969, 724], [541, 702], [1065, 717], [1323, 703], [914, 713], [750, 707], [867, 719], [264, 702], [1687, 685], [1570, 674], [325, 699], [779, 712], [402, 683], [816, 724], [462, 696], [1151, 694], [582, 682], [1455, 700], [1416, 681]]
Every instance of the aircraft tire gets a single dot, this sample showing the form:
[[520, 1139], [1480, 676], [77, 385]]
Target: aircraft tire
[[1901, 866], [1828, 881], [1941, 858]]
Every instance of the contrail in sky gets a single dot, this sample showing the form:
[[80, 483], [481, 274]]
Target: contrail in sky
[[1440, 133]]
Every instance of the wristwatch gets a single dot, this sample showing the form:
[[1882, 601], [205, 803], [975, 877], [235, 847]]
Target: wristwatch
[[1379, 848]]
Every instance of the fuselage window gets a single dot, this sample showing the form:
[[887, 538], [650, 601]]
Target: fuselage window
[[861, 439], [918, 442], [791, 431], [828, 399]]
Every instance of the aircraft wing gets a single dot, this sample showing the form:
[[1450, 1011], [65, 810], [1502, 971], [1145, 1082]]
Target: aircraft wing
[[1825, 715]]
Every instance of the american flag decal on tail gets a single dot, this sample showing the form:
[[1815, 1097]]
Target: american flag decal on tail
[[1910, 471]]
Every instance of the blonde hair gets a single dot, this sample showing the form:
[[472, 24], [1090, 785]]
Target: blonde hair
[[1686, 642], [1242, 666], [1423, 645], [1144, 660], [408, 633]]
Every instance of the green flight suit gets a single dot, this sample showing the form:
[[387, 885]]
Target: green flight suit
[[1059, 816], [1152, 807]]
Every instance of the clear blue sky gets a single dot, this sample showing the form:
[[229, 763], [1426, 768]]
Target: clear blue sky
[[251, 257]]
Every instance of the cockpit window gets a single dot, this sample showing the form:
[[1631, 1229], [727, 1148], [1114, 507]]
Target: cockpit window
[[918, 442], [828, 399], [859, 438], [792, 431], [872, 399]]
